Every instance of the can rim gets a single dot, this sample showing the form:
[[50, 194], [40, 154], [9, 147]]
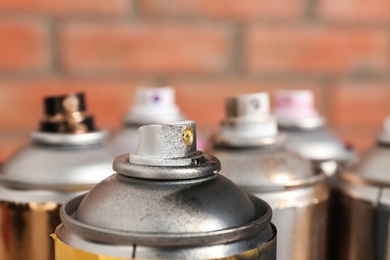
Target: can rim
[[351, 177], [292, 184], [211, 165], [130, 120], [305, 124], [53, 139], [242, 142], [97, 234]]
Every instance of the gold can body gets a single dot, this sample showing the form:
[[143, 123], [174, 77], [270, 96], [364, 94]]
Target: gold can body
[[25, 230], [65, 252]]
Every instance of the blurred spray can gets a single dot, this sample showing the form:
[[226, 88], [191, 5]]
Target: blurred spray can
[[166, 201], [66, 157], [253, 156], [153, 105], [361, 214], [296, 115]]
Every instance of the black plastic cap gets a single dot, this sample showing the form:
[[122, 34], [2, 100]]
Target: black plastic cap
[[60, 121], [53, 105]]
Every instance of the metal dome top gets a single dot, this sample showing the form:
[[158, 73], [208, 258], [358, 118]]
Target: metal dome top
[[66, 154], [167, 194]]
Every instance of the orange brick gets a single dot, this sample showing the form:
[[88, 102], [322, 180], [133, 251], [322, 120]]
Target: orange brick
[[360, 104], [204, 100], [355, 10], [21, 101], [23, 45], [316, 49], [68, 7], [144, 48], [227, 9]]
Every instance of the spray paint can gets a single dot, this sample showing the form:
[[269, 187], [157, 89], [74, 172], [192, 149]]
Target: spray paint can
[[66, 157], [153, 105], [362, 205], [166, 201], [253, 155], [308, 136]]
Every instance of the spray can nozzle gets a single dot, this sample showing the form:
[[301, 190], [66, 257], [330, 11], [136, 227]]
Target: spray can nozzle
[[166, 144], [294, 104], [154, 104], [249, 116], [67, 114]]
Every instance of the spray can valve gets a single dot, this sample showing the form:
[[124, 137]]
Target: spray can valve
[[295, 104], [249, 116], [67, 114], [248, 107], [166, 144], [154, 104]]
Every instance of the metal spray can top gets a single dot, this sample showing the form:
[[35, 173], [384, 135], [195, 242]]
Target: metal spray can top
[[66, 155], [169, 195], [296, 114], [67, 114], [67, 122], [154, 105], [268, 165], [255, 157]]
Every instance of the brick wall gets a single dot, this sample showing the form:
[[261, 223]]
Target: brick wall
[[208, 50]]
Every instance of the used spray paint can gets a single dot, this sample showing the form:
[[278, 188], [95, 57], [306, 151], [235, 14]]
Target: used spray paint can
[[153, 105], [166, 201], [308, 136], [361, 216], [253, 156], [66, 157]]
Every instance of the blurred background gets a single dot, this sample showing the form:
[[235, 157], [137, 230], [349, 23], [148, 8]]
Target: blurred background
[[207, 50]]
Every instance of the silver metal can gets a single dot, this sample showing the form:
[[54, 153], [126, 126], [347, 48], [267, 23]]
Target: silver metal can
[[307, 132], [361, 210], [153, 105], [253, 155], [166, 201], [66, 157]]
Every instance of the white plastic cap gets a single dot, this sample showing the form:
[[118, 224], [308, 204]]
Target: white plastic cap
[[294, 104], [165, 144], [248, 107], [249, 116], [154, 105]]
